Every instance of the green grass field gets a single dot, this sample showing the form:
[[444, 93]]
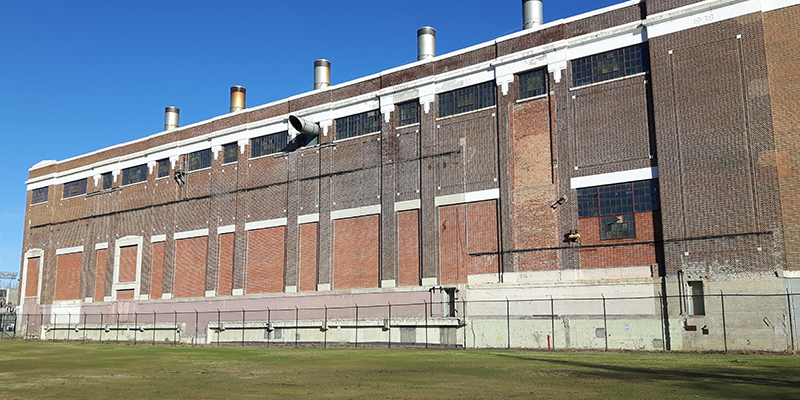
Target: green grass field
[[40, 370]]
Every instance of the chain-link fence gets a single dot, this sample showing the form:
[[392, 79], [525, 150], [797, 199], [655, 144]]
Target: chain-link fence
[[721, 322]]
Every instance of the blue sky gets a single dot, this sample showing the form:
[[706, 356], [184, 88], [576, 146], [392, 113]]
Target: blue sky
[[77, 76]]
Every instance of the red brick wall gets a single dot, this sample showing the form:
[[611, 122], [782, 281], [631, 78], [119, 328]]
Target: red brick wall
[[225, 282], [100, 275], [127, 263], [190, 267], [125, 294], [308, 256], [265, 260], [408, 248], [464, 229], [621, 256], [32, 279], [68, 277], [356, 252], [157, 277]]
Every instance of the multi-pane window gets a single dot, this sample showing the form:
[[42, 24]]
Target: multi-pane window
[[229, 153], [617, 227], [466, 99], [621, 198], [134, 174], [609, 65], [268, 144], [39, 195], [106, 179], [533, 83], [408, 112], [199, 160], [359, 124], [75, 188], [163, 168]]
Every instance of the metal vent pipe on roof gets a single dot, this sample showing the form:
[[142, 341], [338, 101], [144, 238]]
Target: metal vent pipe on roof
[[426, 43], [532, 14], [238, 98], [172, 116], [322, 73]]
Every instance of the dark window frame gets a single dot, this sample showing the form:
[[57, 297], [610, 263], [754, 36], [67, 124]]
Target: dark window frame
[[228, 148], [162, 168], [106, 180], [198, 160], [74, 188], [613, 64], [616, 204], [40, 195], [408, 113], [134, 175], [525, 80], [273, 143], [466, 99], [358, 124]]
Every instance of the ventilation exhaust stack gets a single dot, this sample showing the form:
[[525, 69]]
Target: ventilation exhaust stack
[[237, 98], [172, 116], [322, 74], [426, 43], [304, 126], [532, 15]]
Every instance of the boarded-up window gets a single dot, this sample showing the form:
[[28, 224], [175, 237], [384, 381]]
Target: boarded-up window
[[68, 276], [265, 260], [100, 275], [465, 229], [32, 277], [157, 275], [190, 267], [225, 282], [408, 247], [127, 263], [308, 256], [356, 252]]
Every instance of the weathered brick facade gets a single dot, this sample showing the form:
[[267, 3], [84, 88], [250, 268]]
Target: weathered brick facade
[[710, 121]]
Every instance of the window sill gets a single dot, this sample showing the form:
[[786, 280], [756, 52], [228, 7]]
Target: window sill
[[527, 99], [132, 184], [357, 137], [466, 113], [407, 126], [197, 170], [588, 85]]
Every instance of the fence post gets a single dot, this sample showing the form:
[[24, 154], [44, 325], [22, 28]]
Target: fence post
[[154, 328], [175, 328], [116, 341], [325, 340], [356, 325], [196, 327], [219, 326], [389, 324], [243, 313], [269, 321], [552, 323], [135, 326], [426, 323], [84, 327], [102, 328], [27, 320], [508, 324], [296, 323], [661, 318], [724, 325], [464, 315], [789, 309], [605, 321], [69, 324]]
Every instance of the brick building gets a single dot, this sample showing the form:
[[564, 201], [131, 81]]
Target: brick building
[[644, 149]]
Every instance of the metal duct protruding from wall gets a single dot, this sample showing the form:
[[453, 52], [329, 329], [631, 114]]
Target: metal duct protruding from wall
[[426, 43], [322, 74], [304, 125], [238, 98], [172, 117], [532, 14]]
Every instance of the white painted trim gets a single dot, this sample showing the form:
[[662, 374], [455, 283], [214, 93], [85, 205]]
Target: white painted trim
[[356, 212], [699, 14], [158, 238], [269, 223], [101, 246], [611, 178], [32, 253], [791, 274], [771, 5], [469, 197], [304, 219], [237, 292], [88, 299], [430, 281], [324, 287], [290, 289], [144, 297], [226, 229], [191, 234], [116, 285], [69, 250], [166, 296], [388, 283], [465, 80], [211, 293], [407, 205]]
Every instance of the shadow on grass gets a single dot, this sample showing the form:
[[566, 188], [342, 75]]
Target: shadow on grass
[[719, 381]]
